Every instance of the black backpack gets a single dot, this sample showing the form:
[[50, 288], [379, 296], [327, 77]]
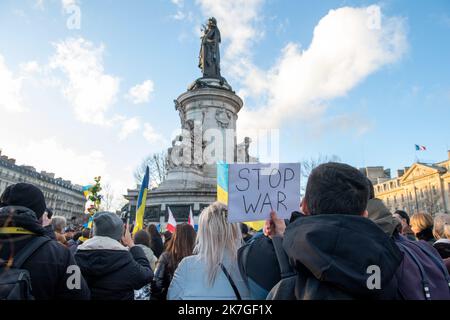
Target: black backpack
[[15, 282]]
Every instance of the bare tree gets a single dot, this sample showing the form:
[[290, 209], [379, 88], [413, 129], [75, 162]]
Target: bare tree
[[156, 163], [308, 165], [107, 197]]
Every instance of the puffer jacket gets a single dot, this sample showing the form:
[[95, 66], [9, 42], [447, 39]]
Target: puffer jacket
[[111, 270], [48, 266], [335, 257]]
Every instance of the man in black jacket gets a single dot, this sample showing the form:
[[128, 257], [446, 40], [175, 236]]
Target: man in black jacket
[[337, 252], [112, 270], [51, 266]]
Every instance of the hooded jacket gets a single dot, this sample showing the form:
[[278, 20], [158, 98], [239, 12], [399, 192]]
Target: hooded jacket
[[335, 256], [48, 266], [111, 270]]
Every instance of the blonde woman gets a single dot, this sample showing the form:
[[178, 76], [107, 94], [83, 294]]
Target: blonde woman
[[422, 226], [212, 272]]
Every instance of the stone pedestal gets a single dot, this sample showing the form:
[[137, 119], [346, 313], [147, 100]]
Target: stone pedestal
[[209, 111]]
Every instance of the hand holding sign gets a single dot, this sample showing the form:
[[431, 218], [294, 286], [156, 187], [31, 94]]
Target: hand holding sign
[[254, 190]]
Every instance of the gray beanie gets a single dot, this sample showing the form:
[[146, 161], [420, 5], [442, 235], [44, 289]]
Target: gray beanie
[[108, 224]]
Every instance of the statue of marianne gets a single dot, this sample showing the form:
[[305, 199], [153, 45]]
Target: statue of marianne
[[209, 58]]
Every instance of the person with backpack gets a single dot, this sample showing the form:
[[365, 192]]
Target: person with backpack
[[422, 273], [336, 252], [212, 272], [32, 265], [113, 270]]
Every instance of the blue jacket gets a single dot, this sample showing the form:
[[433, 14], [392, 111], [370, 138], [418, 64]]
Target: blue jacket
[[190, 282]]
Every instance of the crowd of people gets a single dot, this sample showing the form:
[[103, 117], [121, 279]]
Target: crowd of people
[[342, 243]]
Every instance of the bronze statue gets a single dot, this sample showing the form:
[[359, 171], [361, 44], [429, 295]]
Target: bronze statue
[[209, 58]]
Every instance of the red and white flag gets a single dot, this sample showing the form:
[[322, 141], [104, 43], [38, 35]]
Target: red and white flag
[[171, 223], [191, 217]]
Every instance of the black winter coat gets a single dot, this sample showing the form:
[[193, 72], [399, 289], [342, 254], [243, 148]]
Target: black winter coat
[[114, 274], [443, 247], [332, 255], [156, 244], [48, 265], [163, 277]]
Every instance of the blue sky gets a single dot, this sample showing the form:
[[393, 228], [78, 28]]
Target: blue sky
[[68, 107]]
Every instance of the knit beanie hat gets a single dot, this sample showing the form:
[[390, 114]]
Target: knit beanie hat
[[108, 224], [24, 195]]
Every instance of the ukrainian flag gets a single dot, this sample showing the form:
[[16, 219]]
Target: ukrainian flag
[[222, 182], [222, 192], [86, 190], [140, 206], [88, 224]]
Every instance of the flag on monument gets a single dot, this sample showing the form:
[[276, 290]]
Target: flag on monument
[[191, 217], [142, 200], [420, 148], [171, 222]]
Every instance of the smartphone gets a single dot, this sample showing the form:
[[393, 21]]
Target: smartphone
[[49, 213]]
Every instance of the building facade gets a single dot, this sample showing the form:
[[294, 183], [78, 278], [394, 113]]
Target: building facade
[[63, 197], [422, 187]]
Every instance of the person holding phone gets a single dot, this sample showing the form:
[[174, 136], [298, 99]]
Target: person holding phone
[[110, 262]]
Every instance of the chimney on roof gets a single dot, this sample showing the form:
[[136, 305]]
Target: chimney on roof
[[12, 161], [400, 173]]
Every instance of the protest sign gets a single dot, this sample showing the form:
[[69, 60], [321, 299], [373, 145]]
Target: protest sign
[[254, 190]]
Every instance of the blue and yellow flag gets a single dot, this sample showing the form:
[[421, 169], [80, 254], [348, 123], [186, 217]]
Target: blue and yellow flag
[[140, 206], [222, 182], [222, 192], [86, 190], [89, 223]]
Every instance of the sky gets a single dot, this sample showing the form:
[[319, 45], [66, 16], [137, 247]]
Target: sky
[[87, 87]]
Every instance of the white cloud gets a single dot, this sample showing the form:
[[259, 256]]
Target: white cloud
[[152, 136], [343, 52], [237, 21], [39, 4], [67, 3], [89, 90], [10, 89], [50, 155], [30, 67], [140, 93], [129, 126]]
